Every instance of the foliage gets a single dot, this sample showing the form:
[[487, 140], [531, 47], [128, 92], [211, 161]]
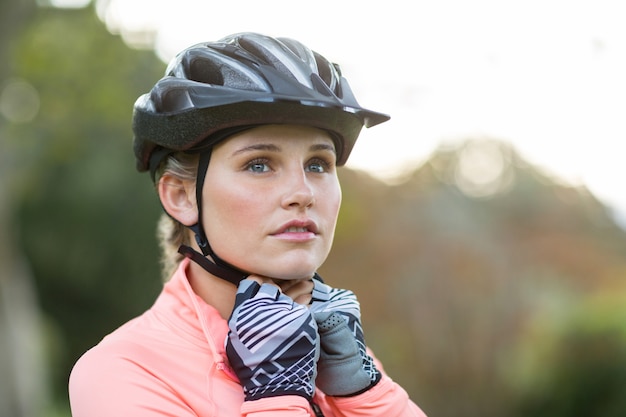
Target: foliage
[[87, 218], [468, 282], [587, 371]]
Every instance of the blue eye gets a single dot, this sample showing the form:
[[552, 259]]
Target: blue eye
[[258, 166], [318, 166]]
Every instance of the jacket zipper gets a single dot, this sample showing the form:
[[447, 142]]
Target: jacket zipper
[[316, 410]]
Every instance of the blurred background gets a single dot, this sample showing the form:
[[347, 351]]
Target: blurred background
[[482, 227]]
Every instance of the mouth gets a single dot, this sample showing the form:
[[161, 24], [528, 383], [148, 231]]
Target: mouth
[[298, 230], [295, 229]]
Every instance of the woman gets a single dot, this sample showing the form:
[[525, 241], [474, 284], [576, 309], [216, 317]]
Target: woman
[[242, 138]]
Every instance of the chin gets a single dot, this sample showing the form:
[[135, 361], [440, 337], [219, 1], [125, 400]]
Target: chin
[[295, 272], [286, 267], [291, 275]]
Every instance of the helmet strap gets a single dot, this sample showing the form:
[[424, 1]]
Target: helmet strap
[[217, 266], [201, 239], [231, 275]]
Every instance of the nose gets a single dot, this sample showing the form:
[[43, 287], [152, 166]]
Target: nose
[[299, 191]]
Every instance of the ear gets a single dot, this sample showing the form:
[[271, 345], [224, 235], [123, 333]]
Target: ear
[[178, 198]]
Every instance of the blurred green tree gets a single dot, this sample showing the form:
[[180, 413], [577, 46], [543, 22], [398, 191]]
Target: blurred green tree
[[452, 283], [23, 368], [87, 219], [582, 372]]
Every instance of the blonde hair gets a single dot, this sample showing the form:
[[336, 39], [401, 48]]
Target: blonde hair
[[170, 232]]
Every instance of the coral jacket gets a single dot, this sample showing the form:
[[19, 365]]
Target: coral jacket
[[170, 361]]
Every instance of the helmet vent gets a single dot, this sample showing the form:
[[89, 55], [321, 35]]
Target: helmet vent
[[327, 72], [230, 73], [205, 71], [265, 56]]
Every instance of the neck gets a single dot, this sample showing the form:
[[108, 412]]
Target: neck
[[215, 291]]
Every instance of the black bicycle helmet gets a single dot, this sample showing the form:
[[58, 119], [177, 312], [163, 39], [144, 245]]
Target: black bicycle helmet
[[214, 89], [245, 79]]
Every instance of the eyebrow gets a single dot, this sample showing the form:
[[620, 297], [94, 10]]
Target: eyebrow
[[274, 148], [257, 147], [323, 147]]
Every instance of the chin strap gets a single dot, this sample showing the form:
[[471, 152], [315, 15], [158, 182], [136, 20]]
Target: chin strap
[[231, 275], [217, 266]]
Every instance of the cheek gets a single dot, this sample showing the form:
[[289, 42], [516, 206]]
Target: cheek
[[335, 207], [337, 197], [229, 209], [331, 201]]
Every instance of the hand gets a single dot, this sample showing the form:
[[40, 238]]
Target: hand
[[272, 344], [344, 368]]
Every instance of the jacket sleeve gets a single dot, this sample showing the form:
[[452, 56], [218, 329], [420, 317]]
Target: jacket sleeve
[[385, 399], [113, 386]]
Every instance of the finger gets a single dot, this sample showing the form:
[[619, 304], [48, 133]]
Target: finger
[[252, 286], [300, 291], [320, 295], [297, 287], [285, 284], [262, 280], [269, 290], [304, 299], [247, 289]]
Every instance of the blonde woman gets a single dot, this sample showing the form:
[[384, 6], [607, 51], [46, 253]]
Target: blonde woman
[[243, 138]]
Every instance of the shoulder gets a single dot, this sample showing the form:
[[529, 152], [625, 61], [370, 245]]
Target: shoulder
[[119, 349], [113, 379], [111, 365], [134, 350], [107, 358]]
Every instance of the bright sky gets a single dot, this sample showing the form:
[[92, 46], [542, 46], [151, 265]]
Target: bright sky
[[549, 76]]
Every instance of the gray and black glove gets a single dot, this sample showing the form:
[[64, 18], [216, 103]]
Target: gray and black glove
[[344, 368], [272, 345]]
